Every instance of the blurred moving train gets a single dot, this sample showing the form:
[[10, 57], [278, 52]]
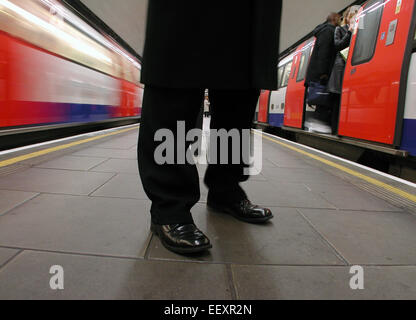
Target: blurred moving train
[[378, 108], [57, 70]]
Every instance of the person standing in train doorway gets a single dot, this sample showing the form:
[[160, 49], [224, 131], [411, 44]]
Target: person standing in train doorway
[[320, 68], [342, 38], [231, 48]]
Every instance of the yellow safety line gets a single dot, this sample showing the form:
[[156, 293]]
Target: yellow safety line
[[62, 147], [354, 173]]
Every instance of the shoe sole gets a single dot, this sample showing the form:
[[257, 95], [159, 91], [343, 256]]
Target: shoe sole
[[181, 250], [229, 212]]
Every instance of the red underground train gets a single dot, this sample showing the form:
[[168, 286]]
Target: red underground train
[[378, 108], [57, 70]]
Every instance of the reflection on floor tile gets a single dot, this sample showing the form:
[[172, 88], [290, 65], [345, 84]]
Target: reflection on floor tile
[[323, 283], [116, 227], [86, 277], [55, 181], [378, 238]]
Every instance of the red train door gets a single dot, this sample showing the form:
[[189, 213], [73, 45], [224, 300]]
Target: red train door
[[370, 108], [295, 94], [3, 78], [263, 115]]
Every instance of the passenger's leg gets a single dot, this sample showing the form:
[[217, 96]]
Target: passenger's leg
[[172, 188], [323, 113], [230, 110], [336, 105]]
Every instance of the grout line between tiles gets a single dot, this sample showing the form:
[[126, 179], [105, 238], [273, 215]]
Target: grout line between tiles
[[102, 185], [231, 282], [338, 254], [2, 266], [21, 203]]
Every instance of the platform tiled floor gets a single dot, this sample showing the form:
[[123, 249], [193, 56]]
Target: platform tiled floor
[[86, 211]]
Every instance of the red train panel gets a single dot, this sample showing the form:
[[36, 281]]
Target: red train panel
[[296, 89], [263, 116], [370, 99]]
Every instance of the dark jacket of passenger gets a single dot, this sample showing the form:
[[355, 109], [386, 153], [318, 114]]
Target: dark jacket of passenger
[[217, 44], [324, 52], [342, 40]]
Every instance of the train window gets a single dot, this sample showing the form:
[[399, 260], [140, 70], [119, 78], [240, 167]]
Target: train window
[[414, 42], [286, 74], [280, 76], [368, 30], [294, 72], [304, 61]]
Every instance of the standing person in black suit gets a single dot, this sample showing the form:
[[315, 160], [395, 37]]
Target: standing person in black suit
[[320, 68], [231, 48]]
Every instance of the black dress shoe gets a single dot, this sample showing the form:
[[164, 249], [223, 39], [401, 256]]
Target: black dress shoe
[[182, 238], [244, 211]]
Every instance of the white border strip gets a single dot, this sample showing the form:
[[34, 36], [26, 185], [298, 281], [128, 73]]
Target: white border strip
[[411, 184], [85, 135]]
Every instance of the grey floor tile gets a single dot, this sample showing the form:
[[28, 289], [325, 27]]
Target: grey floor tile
[[274, 152], [85, 277], [378, 238], [11, 199], [123, 143], [72, 163], [351, 198], [119, 166], [107, 153], [55, 181], [116, 227], [6, 254], [291, 163], [302, 175], [287, 240], [323, 283], [284, 195], [123, 186], [267, 163]]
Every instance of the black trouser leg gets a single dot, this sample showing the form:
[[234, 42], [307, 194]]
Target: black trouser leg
[[172, 188], [336, 105], [323, 113], [230, 110]]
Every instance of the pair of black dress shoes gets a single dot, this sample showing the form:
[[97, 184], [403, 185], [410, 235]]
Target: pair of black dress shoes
[[188, 239]]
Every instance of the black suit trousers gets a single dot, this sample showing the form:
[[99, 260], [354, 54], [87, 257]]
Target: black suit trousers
[[175, 188]]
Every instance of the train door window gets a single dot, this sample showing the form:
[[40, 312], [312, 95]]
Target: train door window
[[304, 61], [286, 74], [294, 72], [414, 42], [368, 30], [280, 76]]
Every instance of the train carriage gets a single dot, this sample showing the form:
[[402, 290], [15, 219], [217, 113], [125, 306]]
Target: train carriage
[[378, 107], [57, 70]]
